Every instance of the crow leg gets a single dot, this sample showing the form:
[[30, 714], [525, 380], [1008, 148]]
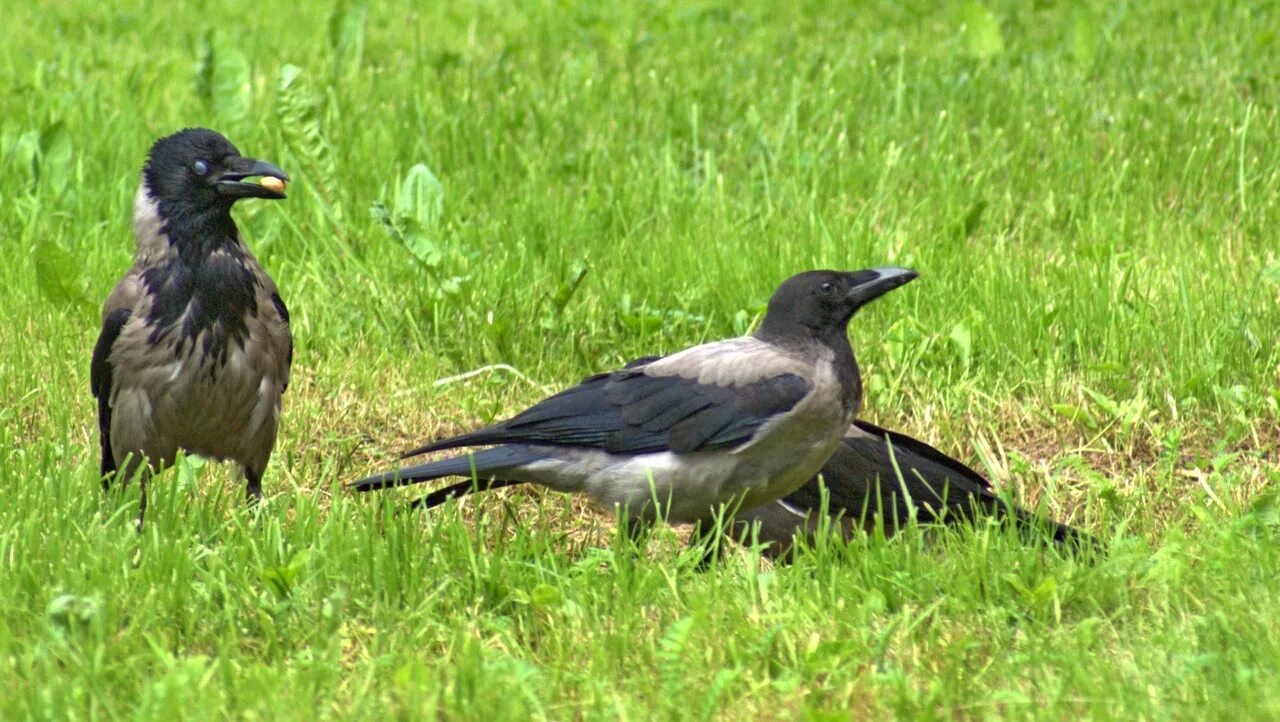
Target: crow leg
[[143, 478], [634, 533], [135, 465], [709, 534], [252, 486]]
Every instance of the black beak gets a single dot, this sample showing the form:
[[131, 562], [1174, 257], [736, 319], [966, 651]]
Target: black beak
[[876, 282], [231, 182]]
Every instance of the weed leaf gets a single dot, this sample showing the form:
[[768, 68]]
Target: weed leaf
[[346, 35], [223, 79], [55, 157], [982, 35]]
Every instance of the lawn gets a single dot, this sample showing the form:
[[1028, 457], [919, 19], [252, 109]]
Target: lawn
[[492, 200]]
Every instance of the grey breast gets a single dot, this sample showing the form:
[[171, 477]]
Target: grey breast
[[208, 383]]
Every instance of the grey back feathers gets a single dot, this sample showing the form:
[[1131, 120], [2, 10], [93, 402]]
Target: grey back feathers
[[655, 408], [195, 349]]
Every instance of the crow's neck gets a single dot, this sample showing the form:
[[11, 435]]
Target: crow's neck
[[803, 340], [204, 293], [197, 233]]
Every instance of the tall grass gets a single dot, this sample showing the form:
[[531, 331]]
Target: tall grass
[[547, 190]]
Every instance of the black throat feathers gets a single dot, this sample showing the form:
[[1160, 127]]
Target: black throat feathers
[[205, 292]]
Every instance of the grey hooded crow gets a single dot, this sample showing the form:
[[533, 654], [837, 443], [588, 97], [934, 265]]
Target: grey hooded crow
[[195, 347], [878, 477], [739, 422]]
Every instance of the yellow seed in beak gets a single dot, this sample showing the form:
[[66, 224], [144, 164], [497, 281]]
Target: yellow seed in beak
[[272, 184]]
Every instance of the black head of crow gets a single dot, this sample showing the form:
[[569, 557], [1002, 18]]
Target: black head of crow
[[814, 309], [738, 421], [199, 169], [820, 304], [194, 177], [195, 346]]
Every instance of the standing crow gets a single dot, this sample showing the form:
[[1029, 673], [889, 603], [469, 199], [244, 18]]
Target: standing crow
[[877, 476], [195, 348], [736, 422]]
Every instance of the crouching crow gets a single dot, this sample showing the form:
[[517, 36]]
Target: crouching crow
[[878, 477], [730, 424]]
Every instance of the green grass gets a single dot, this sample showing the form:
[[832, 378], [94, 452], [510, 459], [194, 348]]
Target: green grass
[[1088, 192]]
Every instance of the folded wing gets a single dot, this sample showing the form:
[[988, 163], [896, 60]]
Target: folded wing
[[631, 411]]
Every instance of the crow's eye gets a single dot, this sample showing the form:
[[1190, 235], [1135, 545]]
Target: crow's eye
[[200, 167], [826, 289]]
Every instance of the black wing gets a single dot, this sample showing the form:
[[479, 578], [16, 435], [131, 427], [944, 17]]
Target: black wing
[[862, 483], [642, 361], [861, 475], [919, 453], [100, 373], [284, 315], [628, 411]]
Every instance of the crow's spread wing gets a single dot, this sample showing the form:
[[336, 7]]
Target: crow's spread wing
[[864, 471]]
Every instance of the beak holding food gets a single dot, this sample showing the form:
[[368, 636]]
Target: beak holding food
[[273, 184], [236, 180]]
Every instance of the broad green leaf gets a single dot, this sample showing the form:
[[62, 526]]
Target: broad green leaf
[[299, 116], [55, 157], [289, 77], [69, 611], [380, 213], [419, 206], [421, 245], [346, 35], [421, 197], [545, 595], [1075, 415], [223, 78], [1106, 403], [982, 35], [1083, 35], [58, 275], [284, 577], [280, 579]]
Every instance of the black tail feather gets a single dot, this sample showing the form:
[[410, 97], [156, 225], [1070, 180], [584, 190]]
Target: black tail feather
[[482, 465], [454, 442], [1068, 537], [460, 489]]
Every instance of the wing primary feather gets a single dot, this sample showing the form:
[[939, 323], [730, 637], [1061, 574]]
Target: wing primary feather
[[283, 310], [668, 404], [630, 412], [100, 382], [900, 440], [694, 432]]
